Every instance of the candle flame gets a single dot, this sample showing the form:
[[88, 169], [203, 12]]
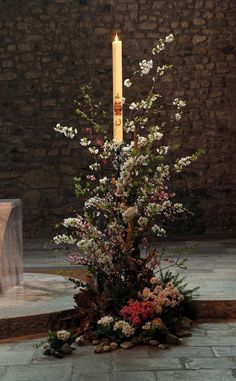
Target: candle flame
[[116, 37]]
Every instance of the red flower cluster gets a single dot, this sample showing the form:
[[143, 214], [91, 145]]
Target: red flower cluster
[[137, 311]]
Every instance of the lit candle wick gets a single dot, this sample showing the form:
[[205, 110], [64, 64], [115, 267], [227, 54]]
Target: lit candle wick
[[116, 37]]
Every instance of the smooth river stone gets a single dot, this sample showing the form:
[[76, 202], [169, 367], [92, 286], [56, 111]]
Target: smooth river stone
[[11, 244]]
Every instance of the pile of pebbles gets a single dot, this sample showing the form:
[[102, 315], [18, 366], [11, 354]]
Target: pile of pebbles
[[101, 346], [108, 345]]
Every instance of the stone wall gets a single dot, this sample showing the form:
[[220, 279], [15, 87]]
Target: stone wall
[[49, 47]]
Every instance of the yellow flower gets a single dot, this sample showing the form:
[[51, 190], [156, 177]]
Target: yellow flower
[[146, 292], [157, 322], [154, 280]]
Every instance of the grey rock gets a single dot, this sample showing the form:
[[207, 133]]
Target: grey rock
[[127, 345], [98, 349], [47, 352], [106, 348], [80, 340], [154, 343], [58, 355], [172, 339], [185, 323], [163, 346], [184, 333], [105, 341], [136, 340], [96, 342], [114, 345], [66, 349]]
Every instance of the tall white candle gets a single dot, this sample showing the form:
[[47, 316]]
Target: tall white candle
[[117, 90]]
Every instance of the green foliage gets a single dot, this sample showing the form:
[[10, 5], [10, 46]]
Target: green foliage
[[157, 333], [179, 283], [53, 341], [89, 111], [119, 294], [190, 309], [79, 190], [77, 283], [104, 331], [188, 305], [38, 345]]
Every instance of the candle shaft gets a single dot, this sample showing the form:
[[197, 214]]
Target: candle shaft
[[117, 91]]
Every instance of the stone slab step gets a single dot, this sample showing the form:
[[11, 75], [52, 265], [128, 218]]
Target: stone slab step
[[47, 299]]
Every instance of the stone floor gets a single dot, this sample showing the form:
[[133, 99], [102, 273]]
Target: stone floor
[[211, 264], [209, 355], [39, 294]]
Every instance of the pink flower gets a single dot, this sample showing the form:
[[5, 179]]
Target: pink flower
[[163, 196], [99, 142], [159, 196], [137, 311], [163, 296], [91, 177], [136, 320], [146, 292], [154, 280], [88, 131]]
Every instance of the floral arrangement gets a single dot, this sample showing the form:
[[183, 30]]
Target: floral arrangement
[[132, 295], [57, 343]]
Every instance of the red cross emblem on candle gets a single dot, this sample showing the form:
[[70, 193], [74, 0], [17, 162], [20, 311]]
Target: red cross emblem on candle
[[118, 108]]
